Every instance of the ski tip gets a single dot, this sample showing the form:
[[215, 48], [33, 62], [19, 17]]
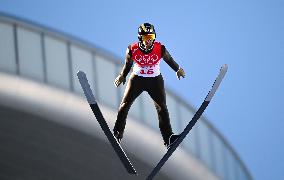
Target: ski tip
[[224, 67], [86, 87], [217, 82], [80, 74]]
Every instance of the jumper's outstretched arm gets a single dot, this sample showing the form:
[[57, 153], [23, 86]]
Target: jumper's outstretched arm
[[121, 78], [171, 62]]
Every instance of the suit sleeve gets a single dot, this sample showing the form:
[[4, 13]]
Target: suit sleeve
[[128, 62], [168, 59]]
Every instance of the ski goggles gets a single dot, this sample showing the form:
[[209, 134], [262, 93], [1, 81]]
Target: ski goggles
[[147, 37]]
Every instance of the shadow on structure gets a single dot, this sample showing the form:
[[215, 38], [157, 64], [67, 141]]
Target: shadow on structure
[[37, 148]]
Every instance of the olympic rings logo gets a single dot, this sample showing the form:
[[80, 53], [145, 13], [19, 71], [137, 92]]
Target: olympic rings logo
[[146, 59]]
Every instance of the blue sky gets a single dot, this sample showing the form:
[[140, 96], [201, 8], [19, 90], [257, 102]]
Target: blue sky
[[248, 35]]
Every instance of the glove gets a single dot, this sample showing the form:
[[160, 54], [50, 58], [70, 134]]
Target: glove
[[180, 73], [120, 79]]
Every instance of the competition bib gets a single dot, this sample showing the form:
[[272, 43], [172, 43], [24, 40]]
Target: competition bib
[[146, 65], [147, 71]]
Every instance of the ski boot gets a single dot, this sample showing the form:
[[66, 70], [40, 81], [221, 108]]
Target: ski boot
[[172, 140], [118, 136]]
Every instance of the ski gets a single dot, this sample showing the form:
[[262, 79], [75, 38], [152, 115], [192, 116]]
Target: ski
[[99, 116], [197, 115]]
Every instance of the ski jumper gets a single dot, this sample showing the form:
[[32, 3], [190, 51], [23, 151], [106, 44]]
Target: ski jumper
[[146, 76]]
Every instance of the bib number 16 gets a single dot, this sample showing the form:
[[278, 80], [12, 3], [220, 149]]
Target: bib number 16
[[149, 71]]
